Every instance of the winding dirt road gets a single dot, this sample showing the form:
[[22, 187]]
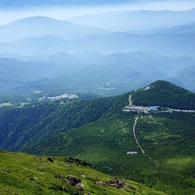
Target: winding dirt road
[[135, 123], [134, 127]]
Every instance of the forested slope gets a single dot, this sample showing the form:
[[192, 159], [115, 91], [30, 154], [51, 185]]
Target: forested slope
[[99, 132], [21, 126], [165, 94]]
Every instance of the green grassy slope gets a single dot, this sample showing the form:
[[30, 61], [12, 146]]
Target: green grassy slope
[[165, 94], [167, 139], [26, 174], [99, 132]]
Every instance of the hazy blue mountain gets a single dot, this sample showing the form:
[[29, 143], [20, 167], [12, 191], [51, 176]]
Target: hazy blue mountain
[[187, 76], [136, 20], [13, 55], [182, 29], [108, 75], [137, 67], [130, 59], [40, 26], [21, 71], [60, 59], [46, 36], [88, 57], [164, 44], [93, 57], [44, 45], [14, 73]]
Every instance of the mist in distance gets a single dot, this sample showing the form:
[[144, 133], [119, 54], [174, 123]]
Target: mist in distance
[[61, 10], [100, 47]]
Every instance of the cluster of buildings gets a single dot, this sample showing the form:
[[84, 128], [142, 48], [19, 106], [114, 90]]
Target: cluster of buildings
[[68, 96], [141, 109]]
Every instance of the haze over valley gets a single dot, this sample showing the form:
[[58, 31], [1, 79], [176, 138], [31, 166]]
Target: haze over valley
[[104, 53], [97, 97]]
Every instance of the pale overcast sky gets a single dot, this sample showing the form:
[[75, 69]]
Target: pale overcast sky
[[63, 9]]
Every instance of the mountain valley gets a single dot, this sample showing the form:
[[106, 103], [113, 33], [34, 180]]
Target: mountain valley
[[100, 132], [97, 97]]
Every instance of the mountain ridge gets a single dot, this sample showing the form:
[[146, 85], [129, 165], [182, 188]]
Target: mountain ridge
[[165, 94], [118, 20], [39, 26], [99, 132]]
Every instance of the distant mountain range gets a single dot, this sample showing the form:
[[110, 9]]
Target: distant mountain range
[[136, 20], [182, 29], [124, 49], [40, 26], [164, 44], [103, 75], [43, 36], [15, 73]]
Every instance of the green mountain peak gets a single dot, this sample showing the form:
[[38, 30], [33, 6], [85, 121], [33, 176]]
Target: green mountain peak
[[164, 94], [98, 131]]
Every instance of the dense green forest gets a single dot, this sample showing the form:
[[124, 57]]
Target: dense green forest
[[99, 132], [165, 94], [28, 124]]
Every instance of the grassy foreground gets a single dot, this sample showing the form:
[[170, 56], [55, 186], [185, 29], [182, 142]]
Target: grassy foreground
[[27, 174]]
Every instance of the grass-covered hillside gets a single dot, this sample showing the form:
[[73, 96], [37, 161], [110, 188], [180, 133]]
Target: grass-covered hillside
[[165, 94], [101, 133], [166, 138], [26, 174]]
